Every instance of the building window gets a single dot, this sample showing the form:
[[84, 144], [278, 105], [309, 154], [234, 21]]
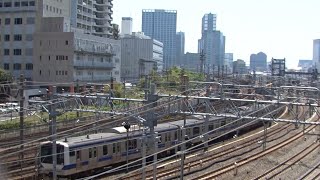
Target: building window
[[0, 4], [49, 58], [16, 4], [17, 52], [17, 37], [7, 37], [6, 66], [17, 20], [47, 7], [16, 66], [40, 58], [31, 3], [40, 72], [24, 3], [67, 58], [29, 66], [7, 21], [6, 52], [66, 73], [56, 73], [67, 42], [7, 4], [30, 20]]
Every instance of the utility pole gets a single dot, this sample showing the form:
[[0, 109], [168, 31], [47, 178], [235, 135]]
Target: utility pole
[[202, 59], [78, 90], [53, 125], [184, 82], [111, 92], [21, 114]]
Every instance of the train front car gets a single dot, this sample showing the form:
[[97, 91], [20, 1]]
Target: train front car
[[46, 158]]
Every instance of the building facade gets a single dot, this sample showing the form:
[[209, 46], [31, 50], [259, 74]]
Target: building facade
[[140, 55], [316, 53], [180, 44], [258, 62], [161, 25], [73, 56], [19, 20], [239, 67], [191, 62], [126, 26], [92, 16], [228, 62], [212, 42], [305, 65]]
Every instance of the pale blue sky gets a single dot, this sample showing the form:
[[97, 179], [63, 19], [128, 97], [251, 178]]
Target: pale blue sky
[[280, 28]]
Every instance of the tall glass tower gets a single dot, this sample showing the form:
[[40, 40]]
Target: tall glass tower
[[162, 26]]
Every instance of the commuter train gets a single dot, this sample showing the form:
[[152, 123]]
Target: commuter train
[[79, 156]]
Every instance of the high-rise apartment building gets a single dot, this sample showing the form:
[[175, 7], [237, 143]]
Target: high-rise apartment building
[[212, 42], [316, 53], [92, 16], [139, 56], [162, 26], [19, 20], [258, 62], [180, 42], [126, 26]]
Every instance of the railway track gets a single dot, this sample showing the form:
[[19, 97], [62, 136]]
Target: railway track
[[312, 174], [246, 160]]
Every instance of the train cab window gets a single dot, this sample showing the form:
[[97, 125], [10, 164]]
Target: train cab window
[[105, 150], [196, 130], [94, 152], [211, 127], [159, 139], [188, 131], [78, 155], [90, 152]]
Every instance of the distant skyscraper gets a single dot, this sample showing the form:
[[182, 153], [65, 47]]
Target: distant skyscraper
[[180, 41], [228, 61], [126, 25], [316, 53], [162, 26], [258, 62], [191, 62], [212, 42], [209, 22]]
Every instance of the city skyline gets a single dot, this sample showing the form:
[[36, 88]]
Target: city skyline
[[269, 26]]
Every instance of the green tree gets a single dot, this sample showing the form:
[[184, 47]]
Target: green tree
[[4, 76]]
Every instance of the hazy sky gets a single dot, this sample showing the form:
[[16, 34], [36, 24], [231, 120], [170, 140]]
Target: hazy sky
[[280, 28]]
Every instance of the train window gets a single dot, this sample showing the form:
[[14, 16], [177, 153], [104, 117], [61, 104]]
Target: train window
[[114, 147], [188, 132], [211, 127], [169, 136], [105, 150], [72, 153], [223, 122], [90, 152], [94, 152], [118, 147], [196, 130], [133, 144], [175, 135], [78, 154]]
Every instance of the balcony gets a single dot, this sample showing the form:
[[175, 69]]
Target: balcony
[[85, 64], [92, 78], [105, 50]]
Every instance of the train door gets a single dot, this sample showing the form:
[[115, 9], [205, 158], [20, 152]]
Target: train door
[[78, 161]]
